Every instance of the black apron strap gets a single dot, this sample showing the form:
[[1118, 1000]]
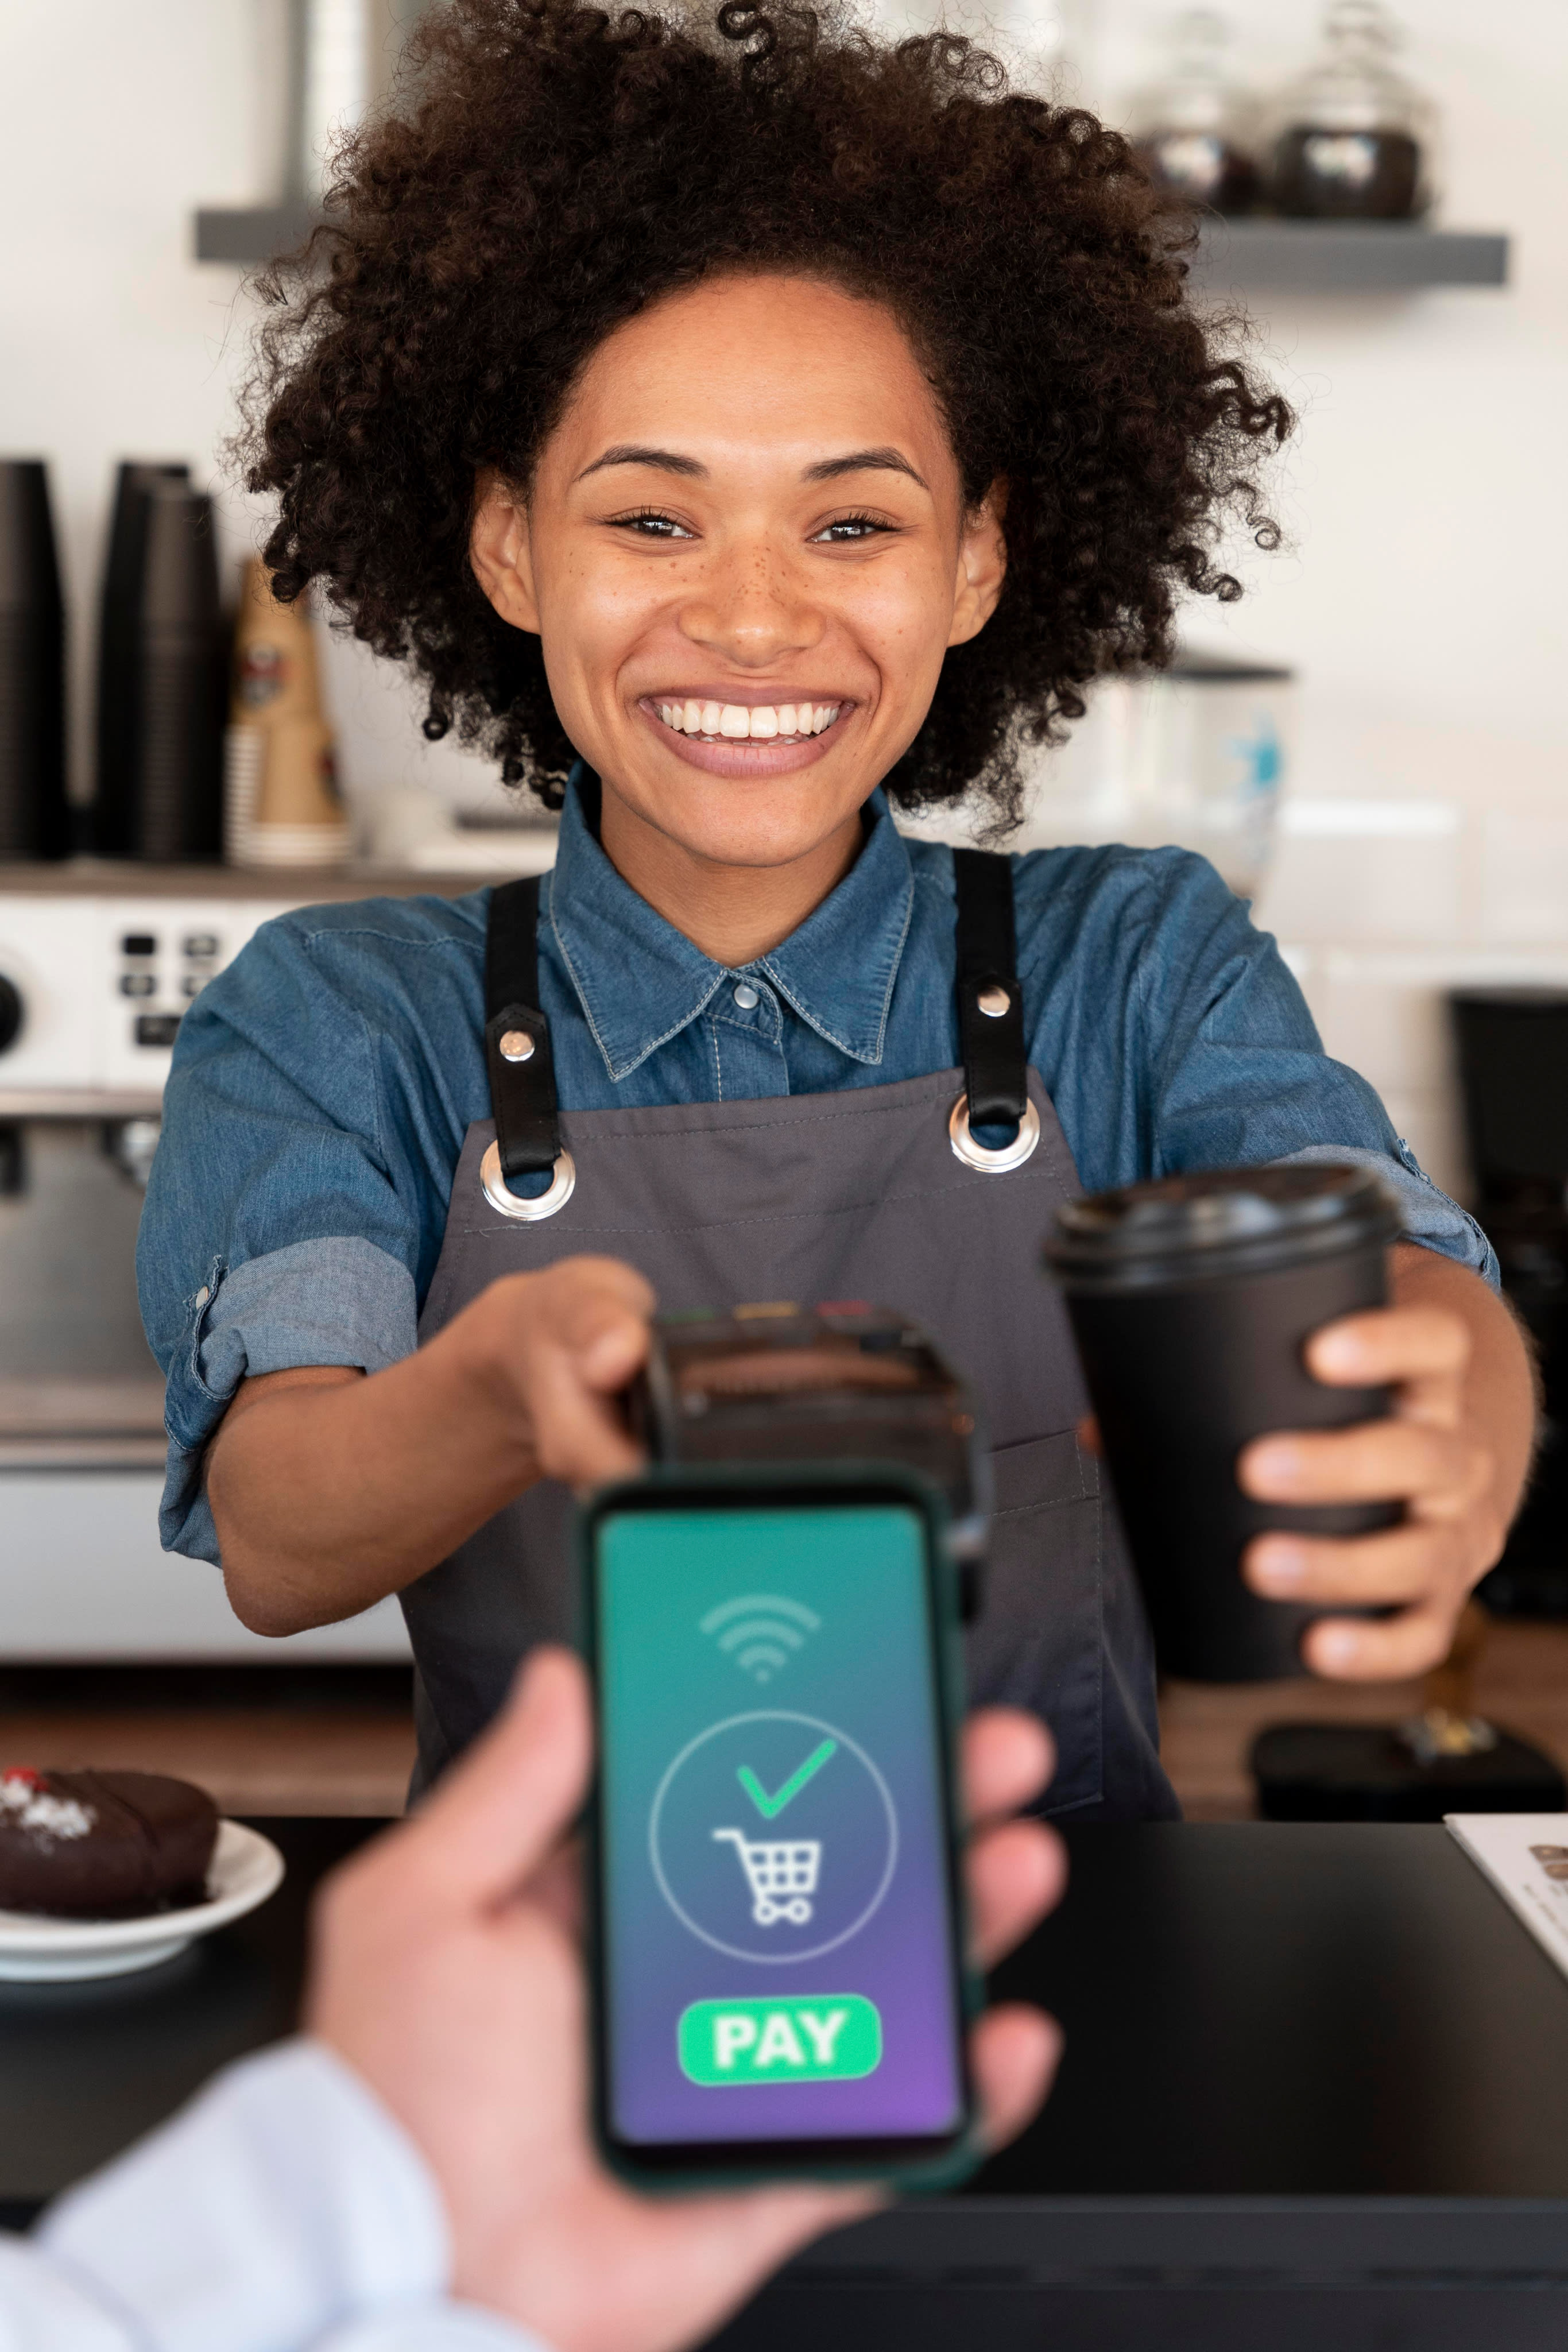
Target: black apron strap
[[522, 1083], [517, 1034], [991, 1001]]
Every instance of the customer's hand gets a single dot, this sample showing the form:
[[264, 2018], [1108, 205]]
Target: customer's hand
[[447, 1973], [1453, 1452]]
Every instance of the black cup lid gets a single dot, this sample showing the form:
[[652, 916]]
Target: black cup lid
[[1220, 1221]]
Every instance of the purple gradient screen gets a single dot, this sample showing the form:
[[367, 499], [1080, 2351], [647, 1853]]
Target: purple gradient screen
[[766, 1685]]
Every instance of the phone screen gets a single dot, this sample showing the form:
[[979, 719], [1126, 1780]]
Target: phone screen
[[777, 1943]]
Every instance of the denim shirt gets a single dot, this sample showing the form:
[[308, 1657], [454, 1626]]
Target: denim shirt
[[322, 1085]]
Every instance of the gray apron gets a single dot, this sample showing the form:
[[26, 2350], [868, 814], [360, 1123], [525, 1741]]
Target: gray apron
[[861, 1194]]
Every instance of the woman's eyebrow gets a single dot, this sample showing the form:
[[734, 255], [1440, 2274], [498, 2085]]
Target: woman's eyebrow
[[632, 453], [862, 461], [826, 470]]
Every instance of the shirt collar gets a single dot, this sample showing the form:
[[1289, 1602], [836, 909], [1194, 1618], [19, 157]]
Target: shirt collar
[[640, 981]]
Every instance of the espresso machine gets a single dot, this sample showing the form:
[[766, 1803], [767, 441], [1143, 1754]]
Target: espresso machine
[[98, 962]]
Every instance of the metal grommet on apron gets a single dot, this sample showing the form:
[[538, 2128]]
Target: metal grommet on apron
[[859, 1193], [527, 1209], [1005, 1157]]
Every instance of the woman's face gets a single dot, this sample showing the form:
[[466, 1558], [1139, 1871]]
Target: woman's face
[[744, 552]]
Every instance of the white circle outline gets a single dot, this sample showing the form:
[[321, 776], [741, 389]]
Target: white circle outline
[[813, 1723]]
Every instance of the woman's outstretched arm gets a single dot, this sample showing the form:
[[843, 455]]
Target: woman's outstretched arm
[[329, 1489]]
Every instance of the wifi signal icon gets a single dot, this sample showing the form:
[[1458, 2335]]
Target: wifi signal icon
[[760, 1631]]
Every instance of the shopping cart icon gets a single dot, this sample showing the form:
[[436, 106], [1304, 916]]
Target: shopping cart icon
[[780, 1876]]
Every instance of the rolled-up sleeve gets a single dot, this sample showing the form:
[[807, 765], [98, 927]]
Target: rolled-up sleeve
[[1241, 1072], [299, 1186], [340, 1301]]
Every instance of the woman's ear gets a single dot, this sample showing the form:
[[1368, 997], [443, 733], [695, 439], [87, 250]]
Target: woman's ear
[[982, 565], [501, 553]]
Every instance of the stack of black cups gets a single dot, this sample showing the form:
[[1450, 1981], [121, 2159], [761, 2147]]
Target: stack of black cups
[[160, 674], [34, 817]]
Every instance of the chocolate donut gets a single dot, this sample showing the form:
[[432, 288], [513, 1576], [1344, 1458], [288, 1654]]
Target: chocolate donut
[[102, 1845]]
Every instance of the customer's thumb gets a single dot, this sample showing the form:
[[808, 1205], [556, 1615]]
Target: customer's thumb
[[502, 1808]]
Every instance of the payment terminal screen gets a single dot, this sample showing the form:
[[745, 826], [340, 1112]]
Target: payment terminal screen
[[778, 1957]]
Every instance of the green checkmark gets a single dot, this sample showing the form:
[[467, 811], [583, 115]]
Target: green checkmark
[[771, 1807]]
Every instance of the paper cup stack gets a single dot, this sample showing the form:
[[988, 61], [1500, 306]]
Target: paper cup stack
[[281, 801]]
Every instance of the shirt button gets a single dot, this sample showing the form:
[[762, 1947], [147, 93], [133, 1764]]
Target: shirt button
[[203, 1296], [745, 996]]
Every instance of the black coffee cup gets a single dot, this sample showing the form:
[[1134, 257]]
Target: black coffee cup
[[35, 814], [160, 785], [1192, 1301], [117, 792]]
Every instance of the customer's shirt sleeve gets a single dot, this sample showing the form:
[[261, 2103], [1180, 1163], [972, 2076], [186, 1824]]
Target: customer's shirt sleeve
[[1195, 1048], [283, 2210], [296, 1184]]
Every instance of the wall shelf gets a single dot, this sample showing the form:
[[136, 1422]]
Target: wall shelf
[[1347, 256], [251, 232], [1302, 257]]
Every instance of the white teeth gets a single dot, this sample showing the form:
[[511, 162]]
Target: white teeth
[[739, 721]]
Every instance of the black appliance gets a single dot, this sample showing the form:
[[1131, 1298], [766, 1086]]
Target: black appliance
[[1513, 1069]]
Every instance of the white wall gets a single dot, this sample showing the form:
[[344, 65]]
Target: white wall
[[1426, 495], [1427, 498], [114, 342], [117, 121]]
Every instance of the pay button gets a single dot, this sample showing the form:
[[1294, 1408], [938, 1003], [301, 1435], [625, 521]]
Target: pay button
[[825, 2038]]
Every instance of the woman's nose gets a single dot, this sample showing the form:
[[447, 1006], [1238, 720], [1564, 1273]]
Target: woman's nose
[[751, 606]]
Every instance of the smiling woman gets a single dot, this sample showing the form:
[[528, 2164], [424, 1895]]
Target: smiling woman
[[762, 423]]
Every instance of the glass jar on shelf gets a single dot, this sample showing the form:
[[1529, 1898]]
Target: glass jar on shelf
[[1192, 130], [1354, 138]]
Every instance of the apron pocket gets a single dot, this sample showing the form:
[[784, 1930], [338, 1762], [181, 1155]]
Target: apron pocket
[[1039, 1639]]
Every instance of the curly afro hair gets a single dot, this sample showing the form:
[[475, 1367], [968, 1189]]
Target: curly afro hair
[[552, 169]]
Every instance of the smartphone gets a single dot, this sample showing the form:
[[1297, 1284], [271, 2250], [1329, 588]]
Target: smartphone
[[778, 1939]]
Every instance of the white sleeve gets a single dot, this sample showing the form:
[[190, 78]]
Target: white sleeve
[[42, 2312], [440, 2328], [283, 2209]]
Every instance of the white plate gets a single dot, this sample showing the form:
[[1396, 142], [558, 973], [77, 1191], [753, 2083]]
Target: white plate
[[246, 1869]]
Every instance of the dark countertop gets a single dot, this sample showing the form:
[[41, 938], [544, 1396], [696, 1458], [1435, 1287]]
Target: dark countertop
[[1299, 2059], [85, 2069], [1293, 2010]]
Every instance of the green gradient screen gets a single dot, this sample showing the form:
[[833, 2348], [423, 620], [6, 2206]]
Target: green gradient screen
[[777, 1947]]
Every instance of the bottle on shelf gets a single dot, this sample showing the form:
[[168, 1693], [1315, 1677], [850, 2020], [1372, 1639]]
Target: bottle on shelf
[[1355, 138], [281, 801], [1193, 131]]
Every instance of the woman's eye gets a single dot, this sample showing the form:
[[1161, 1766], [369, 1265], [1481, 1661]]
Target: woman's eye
[[850, 528], [651, 524]]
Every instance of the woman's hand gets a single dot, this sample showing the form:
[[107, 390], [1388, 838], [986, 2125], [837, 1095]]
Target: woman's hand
[[1454, 1451], [556, 1350], [447, 1974]]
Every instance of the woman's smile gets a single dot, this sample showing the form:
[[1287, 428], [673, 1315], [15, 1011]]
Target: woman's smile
[[725, 737]]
